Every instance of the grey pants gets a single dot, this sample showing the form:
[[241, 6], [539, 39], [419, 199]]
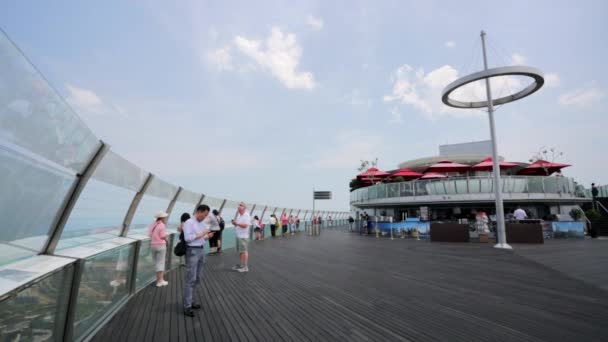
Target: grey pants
[[195, 259]]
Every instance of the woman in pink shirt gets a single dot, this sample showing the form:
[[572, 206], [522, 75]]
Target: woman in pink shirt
[[158, 246], [284, 222]]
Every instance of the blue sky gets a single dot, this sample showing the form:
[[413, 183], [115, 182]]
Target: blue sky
[[265, 100]]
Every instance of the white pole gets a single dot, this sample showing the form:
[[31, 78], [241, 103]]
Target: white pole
[[500, 212]]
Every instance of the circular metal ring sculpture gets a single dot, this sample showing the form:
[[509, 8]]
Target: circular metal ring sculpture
[[534, 73]]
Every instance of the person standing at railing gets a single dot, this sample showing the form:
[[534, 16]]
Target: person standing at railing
[[297, 223], [273, 225], [241, 231], [292, 224], [351, 220], [214, 226], [196, 232], [257, 228], [594, 193], [219, 234], [157, 232], [284, 223], [180, 229]]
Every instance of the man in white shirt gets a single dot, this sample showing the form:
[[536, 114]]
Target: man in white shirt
[[196, 233], [241, 230], [520, 214]]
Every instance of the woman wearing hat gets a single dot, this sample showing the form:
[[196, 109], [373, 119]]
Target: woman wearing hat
[[158, 245]]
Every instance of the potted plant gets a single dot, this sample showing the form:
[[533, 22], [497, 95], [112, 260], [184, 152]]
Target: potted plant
[[576, 214]]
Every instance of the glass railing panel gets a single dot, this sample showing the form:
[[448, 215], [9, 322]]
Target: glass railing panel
[[461, 186], [35, 118], [486, 185], [32, 194], [421, 188], [114, 169], [535, 185], [157, 198], [104, 284], [475, 185], [100, 209], [161, 189], [186, 201], [145, 266], [213, 202], [551, 186], [450, 186], [406, 189], [37, 313], [393, 189]]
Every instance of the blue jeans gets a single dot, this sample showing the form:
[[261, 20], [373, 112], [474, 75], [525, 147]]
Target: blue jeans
[[195, 258]]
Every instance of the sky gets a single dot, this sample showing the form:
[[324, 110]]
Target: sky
[[264, 101]]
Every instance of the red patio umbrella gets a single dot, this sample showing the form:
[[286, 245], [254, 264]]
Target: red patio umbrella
[[373, 173], [486, 165], [542, 168], [433, 175], [406, 173], [447, 166]]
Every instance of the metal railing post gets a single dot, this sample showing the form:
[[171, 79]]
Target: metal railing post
[[173, 201], [126, 223], [200, 201], [70, 199], [68, 331], [222, 206]]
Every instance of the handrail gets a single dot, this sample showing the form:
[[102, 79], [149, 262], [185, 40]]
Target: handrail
[[602, 206]]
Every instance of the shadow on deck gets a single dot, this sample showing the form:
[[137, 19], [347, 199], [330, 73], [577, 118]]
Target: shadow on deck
[[344, 287]]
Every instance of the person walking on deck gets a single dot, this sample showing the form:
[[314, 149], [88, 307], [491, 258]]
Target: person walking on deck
[[196, 233], [241, 231]]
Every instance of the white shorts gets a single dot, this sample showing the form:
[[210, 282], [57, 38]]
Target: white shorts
[[159, 257]]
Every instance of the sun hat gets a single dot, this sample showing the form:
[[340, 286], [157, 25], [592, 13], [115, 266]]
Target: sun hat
[[160, 214]]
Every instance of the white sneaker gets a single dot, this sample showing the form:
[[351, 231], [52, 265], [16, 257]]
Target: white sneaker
[[236, 267], [159, 285], [165, 283], [243, 269], [114, 283]]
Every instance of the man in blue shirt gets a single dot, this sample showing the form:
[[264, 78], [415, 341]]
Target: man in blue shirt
[[196, 233]]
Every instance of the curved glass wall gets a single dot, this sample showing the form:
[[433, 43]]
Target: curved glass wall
[[465, 186]]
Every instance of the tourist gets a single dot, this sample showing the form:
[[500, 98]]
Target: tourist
[[180, 229], [196, 232], [351, 220], [158, 246], [482, 221], [241, 231], [520, 214], [284, 223], [273, 225], [222, 224], [292, 224], [297, 223], [594, 193], [257, 228], [214, 226]]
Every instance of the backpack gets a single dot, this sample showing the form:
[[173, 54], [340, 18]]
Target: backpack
[[180, 248]]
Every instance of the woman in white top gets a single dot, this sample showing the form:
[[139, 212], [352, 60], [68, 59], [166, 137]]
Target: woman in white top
[[257, 228]]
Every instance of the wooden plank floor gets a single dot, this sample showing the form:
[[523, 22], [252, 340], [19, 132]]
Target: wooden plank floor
[[344, 287]]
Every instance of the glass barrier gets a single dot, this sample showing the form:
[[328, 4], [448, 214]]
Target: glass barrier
[[454, 186], [186, 201], [99, 211], [35, 118], [37, 313], [145, 273], [32, 193], [157, 198], [104, 284]]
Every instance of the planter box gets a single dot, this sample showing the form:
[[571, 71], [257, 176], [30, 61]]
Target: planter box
[[524, 233], [449, 232]]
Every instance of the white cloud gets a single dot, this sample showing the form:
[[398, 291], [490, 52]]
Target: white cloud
[[83, 100], [552, 80], [518, 59], [348, 149], [422, 91], [395, 116], [280, 55], [584, 98], [450, 44], [357, 99], [221, 58], [314, 23]]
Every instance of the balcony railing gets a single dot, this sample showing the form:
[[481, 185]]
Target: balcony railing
[[563, 186]]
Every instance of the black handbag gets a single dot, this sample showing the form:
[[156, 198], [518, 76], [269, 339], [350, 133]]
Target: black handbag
[[180, 247]]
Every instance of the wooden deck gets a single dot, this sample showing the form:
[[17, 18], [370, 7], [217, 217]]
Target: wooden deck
[[345, 287]]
